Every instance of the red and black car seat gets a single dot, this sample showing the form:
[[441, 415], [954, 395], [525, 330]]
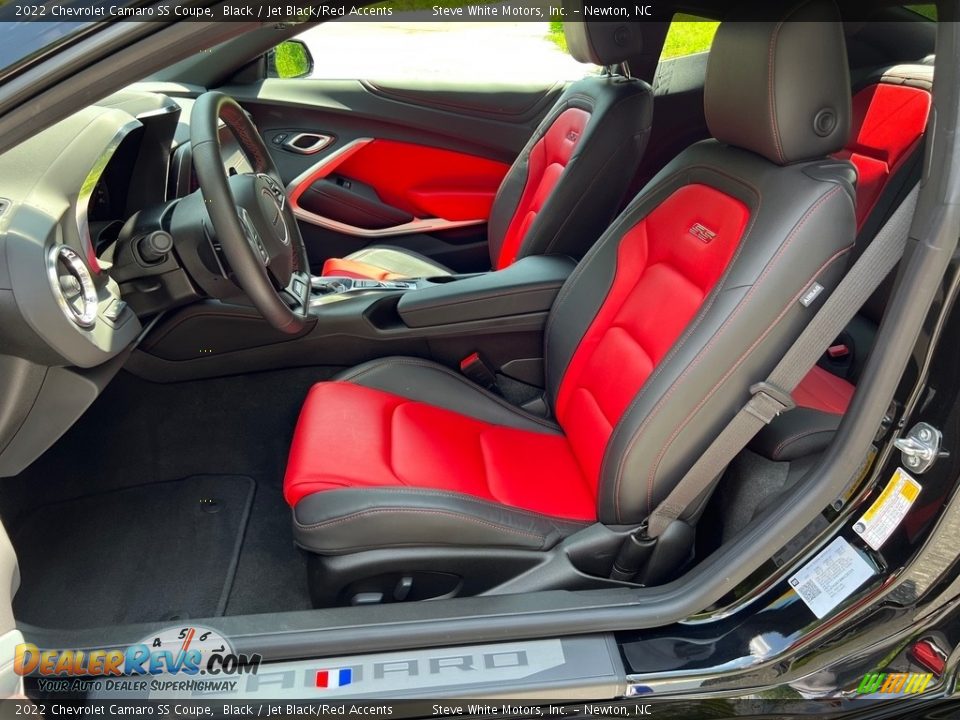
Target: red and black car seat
[[689, 298], [569, 181], [890, 113]]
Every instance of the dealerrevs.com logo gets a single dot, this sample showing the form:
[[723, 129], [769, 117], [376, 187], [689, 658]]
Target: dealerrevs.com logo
[[168, 658]]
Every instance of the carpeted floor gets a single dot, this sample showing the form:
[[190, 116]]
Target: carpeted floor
[[162, 551], [144, 434]]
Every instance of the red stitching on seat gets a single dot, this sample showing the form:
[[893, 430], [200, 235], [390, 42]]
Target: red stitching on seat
[[459, 516], [798, 436], [770, 91], [660, 404], [686, 420]]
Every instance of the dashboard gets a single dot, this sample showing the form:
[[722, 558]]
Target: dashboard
[[66, 196]]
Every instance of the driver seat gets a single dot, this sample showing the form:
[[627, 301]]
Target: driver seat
[[407, 481]]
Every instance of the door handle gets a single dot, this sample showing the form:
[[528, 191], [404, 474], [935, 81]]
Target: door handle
[[307, 143]]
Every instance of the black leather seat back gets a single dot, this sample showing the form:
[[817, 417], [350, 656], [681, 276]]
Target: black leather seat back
[[656, 338]]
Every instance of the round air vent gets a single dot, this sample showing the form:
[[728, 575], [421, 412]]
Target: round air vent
[[72, 285]]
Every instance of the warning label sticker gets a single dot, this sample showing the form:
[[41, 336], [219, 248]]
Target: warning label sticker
[[831, 577], [882, 518]]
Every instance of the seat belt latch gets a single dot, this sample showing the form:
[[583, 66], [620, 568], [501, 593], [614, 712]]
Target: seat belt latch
[[768, 401], [474, 368]]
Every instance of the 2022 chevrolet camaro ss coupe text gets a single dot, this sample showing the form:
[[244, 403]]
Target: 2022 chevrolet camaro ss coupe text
[[576, 360]]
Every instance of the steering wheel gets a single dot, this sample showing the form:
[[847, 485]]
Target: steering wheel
[[250, 214]]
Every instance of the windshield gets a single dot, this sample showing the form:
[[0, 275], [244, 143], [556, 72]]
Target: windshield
[[23, 39]]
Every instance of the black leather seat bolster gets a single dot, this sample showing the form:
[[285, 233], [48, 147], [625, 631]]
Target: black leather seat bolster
[[798, 433], [352, 520]]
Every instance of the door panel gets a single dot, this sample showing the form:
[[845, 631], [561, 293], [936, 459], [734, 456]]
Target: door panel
[[427, 181], [414, 167]]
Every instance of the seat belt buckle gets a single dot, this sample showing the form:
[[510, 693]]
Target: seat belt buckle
[[840, 350], [474, 368], [767, 401]]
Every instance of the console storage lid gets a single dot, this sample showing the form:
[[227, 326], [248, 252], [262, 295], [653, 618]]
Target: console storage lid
[[528, 286]]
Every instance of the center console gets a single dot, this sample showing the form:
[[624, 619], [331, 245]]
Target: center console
[[499, 315], [528, 286]]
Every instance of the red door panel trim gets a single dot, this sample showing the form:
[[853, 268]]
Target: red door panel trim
[[427, 181]]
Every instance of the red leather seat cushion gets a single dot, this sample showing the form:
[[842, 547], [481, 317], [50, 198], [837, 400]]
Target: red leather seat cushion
[[350, 436], [824, 391]]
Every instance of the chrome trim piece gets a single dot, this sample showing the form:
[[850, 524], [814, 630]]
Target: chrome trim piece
[[90, 184], [428, 225], [320, 143], [91, 302], [297, 186], [165, 110]]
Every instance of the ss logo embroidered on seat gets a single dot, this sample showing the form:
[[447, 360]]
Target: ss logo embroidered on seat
[[702, 233]]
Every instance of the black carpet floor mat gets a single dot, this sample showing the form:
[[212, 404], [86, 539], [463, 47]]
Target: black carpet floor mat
[[138, 432], [162, 551]]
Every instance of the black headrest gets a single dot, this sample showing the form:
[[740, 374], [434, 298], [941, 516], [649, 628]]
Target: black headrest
[[781, 89], [601, 43]]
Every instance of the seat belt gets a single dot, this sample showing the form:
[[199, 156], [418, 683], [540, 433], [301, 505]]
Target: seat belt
[[773, 396]]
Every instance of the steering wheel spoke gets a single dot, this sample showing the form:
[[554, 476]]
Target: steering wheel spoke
[[250, 214]]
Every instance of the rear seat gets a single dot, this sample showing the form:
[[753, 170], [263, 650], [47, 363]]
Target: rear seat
[[890, 114]]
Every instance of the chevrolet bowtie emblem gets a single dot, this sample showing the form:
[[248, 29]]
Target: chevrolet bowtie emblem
[[702, 233]]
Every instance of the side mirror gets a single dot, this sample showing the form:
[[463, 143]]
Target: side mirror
[[290, 59]]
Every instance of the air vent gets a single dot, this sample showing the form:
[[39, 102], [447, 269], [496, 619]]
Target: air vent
[[72, 286]]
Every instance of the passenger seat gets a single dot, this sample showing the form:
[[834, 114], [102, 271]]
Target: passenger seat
[[570, 180], [888, 122]]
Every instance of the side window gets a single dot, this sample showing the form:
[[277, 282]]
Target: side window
[[688, 35], [928, 11], [467, 53]]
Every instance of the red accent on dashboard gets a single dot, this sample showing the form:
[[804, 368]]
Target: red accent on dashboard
[[351, 436], [664, 272]]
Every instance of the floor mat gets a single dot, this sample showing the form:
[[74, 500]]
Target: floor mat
[[154, 552]]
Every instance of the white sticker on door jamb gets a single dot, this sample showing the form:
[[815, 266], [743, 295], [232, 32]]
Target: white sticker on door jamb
[[831, 577]]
